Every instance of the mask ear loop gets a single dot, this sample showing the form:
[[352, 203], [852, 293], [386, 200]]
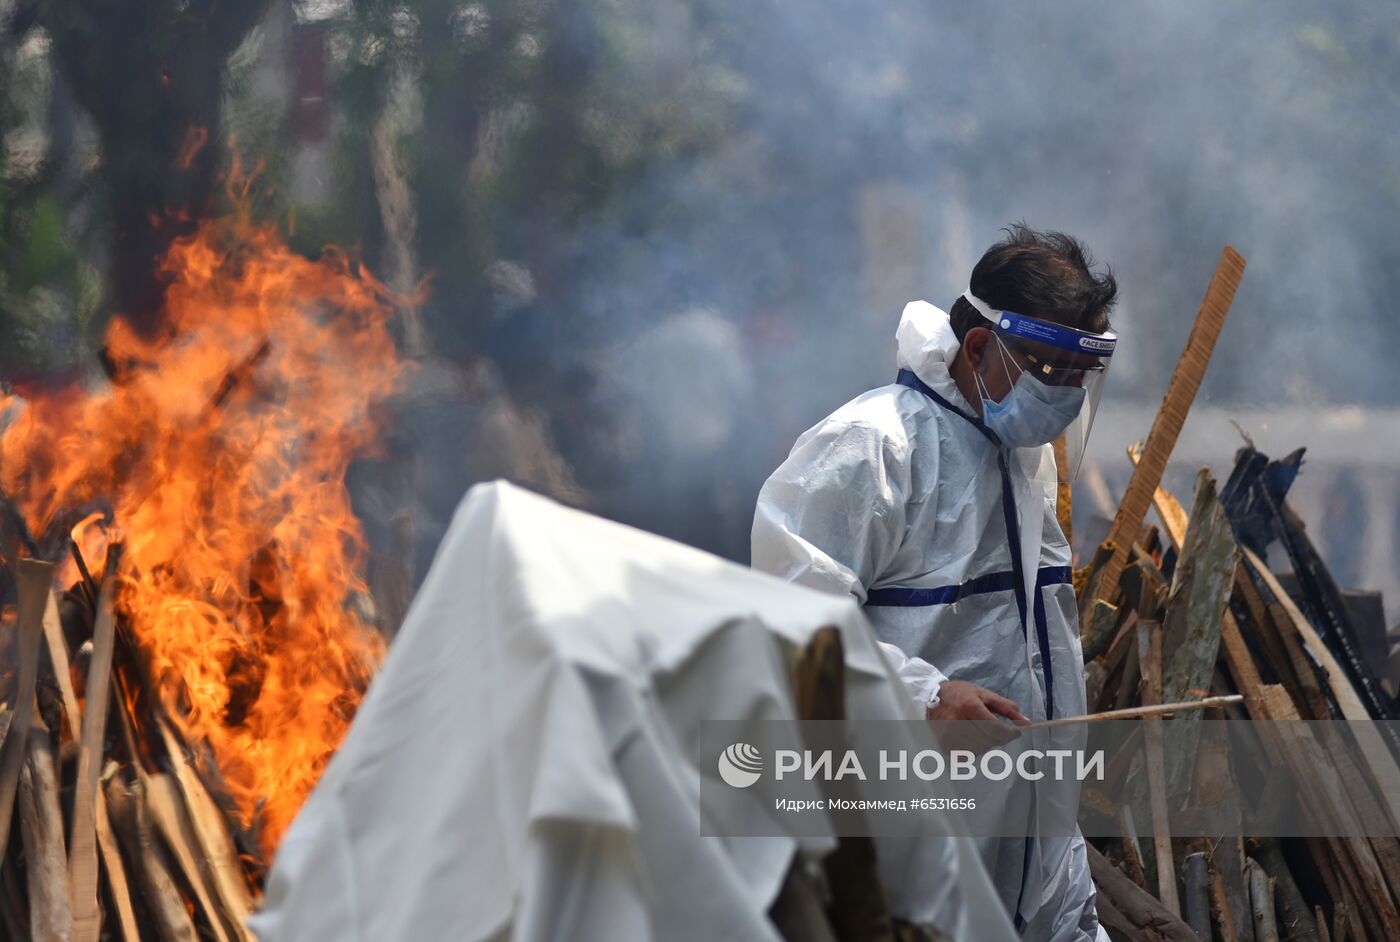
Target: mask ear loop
[[1005, 357], [977, 376]]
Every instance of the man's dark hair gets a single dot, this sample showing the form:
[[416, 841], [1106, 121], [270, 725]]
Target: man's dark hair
[[1048, 275]]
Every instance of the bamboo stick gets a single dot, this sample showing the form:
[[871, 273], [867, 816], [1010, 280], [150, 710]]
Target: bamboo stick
[[58, 657], [1140, 712], [106, 842], [34, 579], [87, 914], [1150, 659], [1181, 392]]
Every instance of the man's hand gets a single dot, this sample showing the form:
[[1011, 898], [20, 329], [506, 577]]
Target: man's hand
[[960, 700]]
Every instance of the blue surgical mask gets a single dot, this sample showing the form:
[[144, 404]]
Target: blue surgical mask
[[1032, 413]]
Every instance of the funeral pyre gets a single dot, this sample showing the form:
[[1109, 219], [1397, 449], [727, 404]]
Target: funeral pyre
[[186, 626]]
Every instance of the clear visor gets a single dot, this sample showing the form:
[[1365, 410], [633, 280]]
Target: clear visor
[[1077, 435], [1060, 356]]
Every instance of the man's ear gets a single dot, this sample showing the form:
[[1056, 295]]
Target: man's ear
[[974, 345]]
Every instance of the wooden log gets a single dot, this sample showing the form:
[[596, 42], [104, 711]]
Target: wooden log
[[1181, 392], [797, 911], [1100, 629], [1150, 658], [1379, 764], [115, 868], [217, 859], [1214, 786], [1294, 917], [1361, 877], [1341, 923], [171, 920], [1324, 934], [1200, 593], [858, 909], [112, 861], [1143, 588], [1095, 683], [1261, 901], [1132, 851], [41, 830], [87, 913], [1130, 677], [1220, 909], [34, 580], [1260, 696], [1138, 905], [168, 816], [1195, 883], [13, 910], [1119, 926], [1086, 578]]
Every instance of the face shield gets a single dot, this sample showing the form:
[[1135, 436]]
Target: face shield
[[1057, 355]]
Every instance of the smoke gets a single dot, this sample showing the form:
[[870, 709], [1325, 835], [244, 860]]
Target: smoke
[[870, 152]]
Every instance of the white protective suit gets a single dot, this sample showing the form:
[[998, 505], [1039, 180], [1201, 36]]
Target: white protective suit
[[903, 500]]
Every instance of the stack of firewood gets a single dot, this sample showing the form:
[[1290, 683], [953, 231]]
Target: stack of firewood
[[111, 826], [1196, 611], [1188, 608]]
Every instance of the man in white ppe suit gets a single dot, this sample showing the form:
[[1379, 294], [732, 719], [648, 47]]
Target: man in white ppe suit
[[932, 502]]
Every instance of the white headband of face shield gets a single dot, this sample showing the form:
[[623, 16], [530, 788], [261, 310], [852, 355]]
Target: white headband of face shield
[[983, 307]]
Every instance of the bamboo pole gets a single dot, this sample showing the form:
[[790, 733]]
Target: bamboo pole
[[87, 913], [1181, 392], [106, 841], [1150, 657], [1140, 712]]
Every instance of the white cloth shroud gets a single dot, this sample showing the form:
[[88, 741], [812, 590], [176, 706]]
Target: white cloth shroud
[[521, 767]]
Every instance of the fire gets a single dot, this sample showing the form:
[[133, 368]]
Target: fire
[[219, 453]]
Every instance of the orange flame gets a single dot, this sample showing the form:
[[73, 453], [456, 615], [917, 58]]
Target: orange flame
[[220, 449]]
